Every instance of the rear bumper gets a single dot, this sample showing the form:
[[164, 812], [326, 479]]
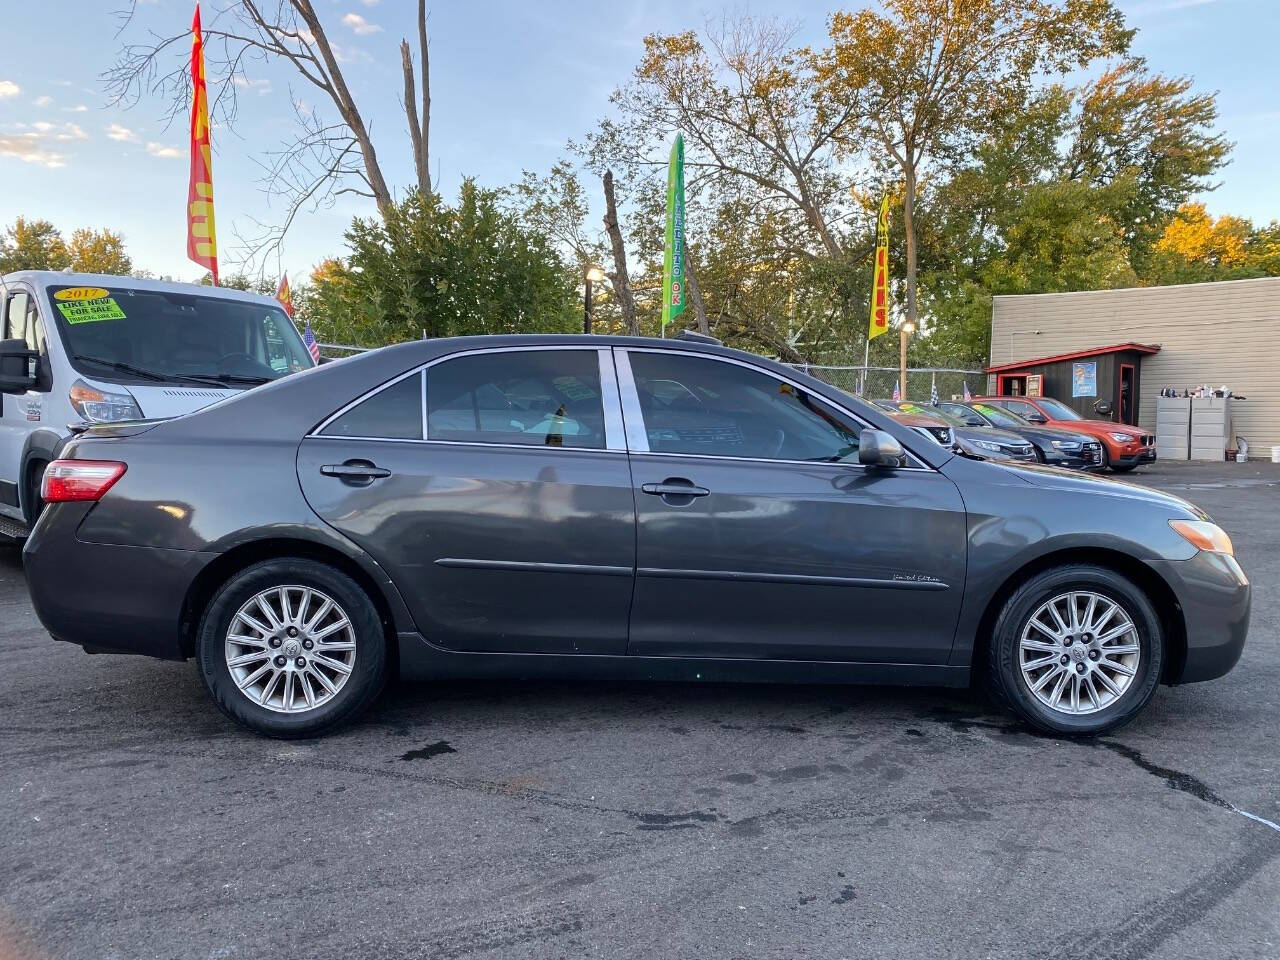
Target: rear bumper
[[109, 597], [1215, 598]]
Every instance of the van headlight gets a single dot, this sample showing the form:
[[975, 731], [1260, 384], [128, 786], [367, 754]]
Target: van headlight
[[98, 406]]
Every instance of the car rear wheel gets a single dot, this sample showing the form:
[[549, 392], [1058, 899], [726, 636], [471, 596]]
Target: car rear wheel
[[1076, 649], [291, 648]]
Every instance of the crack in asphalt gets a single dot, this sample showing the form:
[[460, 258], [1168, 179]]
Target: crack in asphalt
[[1174, 779]]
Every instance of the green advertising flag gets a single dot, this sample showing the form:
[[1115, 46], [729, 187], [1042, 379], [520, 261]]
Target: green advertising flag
[[673, 297]]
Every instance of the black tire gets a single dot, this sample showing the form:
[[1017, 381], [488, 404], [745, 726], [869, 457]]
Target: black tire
[[1005, 674], [1122, 468], [368, 674]]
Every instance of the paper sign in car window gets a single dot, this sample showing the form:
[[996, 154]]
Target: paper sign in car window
[[91, 311], [81, 293]]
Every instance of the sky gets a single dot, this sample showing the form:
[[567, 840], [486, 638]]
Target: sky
[[511, 82]]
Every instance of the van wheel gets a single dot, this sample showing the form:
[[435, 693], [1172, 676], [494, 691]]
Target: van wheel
[[1077, 649], [291, 648]]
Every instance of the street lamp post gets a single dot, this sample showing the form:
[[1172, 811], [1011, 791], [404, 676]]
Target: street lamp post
[[594, 275]]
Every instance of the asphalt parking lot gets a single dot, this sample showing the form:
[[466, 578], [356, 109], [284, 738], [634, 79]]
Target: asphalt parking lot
[[630, 820]]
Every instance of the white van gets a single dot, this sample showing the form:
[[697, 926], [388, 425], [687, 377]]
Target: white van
[[87, 348]]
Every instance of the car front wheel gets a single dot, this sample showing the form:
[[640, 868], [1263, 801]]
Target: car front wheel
[[1077, 649], [291, 648]]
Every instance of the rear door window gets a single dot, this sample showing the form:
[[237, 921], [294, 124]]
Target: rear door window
[[549, 398]]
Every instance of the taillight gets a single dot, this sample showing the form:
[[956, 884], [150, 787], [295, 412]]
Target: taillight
[[68, 480]]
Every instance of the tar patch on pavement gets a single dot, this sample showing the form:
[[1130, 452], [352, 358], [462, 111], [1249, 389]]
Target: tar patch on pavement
[[426, 753]]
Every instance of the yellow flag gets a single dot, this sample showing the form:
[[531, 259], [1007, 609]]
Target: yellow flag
[[880, 276]]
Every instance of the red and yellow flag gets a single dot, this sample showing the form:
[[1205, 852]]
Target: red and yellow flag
[[283, 294], [880, 277], [202, 242]]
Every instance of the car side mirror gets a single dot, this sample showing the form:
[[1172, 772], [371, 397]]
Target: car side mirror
[[1037, 418], [879, 449], [17, 367]]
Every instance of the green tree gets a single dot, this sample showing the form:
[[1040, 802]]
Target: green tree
[[99, 251], [426, 267], [934, 75], [33, 245]]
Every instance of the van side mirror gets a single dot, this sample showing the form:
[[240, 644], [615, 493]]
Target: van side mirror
[[17, 367], [879, 449]]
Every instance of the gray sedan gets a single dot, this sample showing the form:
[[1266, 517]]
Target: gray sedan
[[599, 506]]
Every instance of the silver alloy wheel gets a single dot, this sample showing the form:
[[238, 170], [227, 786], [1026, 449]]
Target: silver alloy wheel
[[1079, 652], [290, 649]]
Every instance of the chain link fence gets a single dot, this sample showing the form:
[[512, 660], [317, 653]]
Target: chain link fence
[[873, 383], [877, 383]]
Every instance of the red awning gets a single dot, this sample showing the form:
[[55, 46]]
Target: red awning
[[1144, 348]]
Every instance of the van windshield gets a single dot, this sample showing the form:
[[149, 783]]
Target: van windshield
[[140, 334]]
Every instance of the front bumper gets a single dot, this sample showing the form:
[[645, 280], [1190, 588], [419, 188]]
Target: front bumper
[[1131, 455], [104, 596], [1215, 597]]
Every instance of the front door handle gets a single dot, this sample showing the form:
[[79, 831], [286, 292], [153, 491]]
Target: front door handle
[[675, 489], [356, 472]]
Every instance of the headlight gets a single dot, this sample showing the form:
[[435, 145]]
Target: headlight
[[1123, 437], [987, 445], [1065, 444], [1204, 535], [96, 406]]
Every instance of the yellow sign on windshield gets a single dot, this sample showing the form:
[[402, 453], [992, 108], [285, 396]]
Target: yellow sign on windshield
[[82, 293]]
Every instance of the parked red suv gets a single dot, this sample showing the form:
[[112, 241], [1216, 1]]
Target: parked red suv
[[1123, 446]]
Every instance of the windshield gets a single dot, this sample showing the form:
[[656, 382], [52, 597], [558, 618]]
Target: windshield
[[1000, 417], [155, 335], [937, 413], [1058, 410]]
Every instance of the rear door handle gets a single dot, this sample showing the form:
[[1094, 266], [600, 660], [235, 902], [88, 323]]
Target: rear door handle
[[355, 471], [674, 487]]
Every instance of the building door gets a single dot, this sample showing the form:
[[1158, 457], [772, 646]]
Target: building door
[[1127, 401], [1012, 385]]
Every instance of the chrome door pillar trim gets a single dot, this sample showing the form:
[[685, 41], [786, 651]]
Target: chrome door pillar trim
[[632, 415], [614, 431]]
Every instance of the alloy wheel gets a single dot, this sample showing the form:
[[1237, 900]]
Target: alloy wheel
[[1079, 652], [290, 649]]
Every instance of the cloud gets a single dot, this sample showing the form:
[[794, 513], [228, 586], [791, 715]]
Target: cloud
[[10, 89], [70, 131], [43, 101], [261, 84], [163, 150], [31, 148], [360, 25], [123, 134], [370, 3], [78, 108]]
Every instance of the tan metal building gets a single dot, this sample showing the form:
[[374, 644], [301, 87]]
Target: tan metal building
[[1208, 333]]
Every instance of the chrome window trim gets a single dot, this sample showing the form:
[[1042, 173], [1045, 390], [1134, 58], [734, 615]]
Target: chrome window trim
[[467, 443], [634, 417], [610, 402]]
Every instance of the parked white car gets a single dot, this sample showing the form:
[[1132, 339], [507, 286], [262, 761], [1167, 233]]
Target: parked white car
[[89, 348]]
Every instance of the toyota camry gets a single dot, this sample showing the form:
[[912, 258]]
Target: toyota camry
[[599, 506]]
